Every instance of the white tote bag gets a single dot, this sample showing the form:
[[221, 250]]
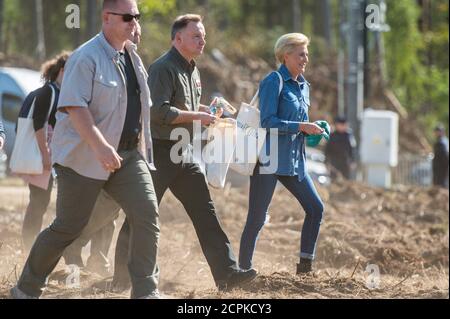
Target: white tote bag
[[218, 153], [250, 137], [26, 157]]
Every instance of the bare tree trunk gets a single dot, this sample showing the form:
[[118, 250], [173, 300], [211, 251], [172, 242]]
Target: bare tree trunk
[[270, 14], [91, 14], [1, 25], [296, 16], [40, 48], [322, 20], [326, 7]]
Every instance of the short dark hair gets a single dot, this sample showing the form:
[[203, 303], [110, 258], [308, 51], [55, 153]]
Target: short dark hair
[[439, 127], [340, 119], [109, 4], [182, 21]]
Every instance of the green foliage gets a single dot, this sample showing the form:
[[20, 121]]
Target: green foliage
[[156, 7], [416, 58], [417, 62]]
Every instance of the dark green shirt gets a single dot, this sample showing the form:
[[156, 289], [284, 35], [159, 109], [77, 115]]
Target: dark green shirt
[[174, 85]]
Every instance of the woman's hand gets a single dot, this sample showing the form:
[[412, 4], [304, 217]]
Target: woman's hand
[[310, 128]]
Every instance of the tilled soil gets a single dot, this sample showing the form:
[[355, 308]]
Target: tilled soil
[[400, 233]]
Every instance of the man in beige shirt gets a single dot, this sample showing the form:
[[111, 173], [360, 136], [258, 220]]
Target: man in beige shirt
[[100, 142]]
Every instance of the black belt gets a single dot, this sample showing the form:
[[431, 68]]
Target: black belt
[[128, 144]]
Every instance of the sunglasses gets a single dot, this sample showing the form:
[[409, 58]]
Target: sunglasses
[[126, 17]]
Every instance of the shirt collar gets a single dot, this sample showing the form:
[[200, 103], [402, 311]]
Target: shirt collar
[[182, 62], [287, 76], [110, 51], [130, 46]]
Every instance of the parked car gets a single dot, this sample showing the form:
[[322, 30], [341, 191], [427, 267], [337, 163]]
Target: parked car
[[316, 167], [15, 85]]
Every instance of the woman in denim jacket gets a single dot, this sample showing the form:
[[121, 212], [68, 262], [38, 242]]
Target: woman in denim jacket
[[285, 116]]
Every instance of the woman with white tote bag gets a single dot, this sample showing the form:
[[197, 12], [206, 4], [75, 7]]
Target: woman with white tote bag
[[287, 113]]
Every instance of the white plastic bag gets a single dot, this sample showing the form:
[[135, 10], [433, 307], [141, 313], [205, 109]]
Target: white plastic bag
[[218, 153]]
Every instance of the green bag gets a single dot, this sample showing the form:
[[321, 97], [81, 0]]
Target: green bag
[[314, 140]]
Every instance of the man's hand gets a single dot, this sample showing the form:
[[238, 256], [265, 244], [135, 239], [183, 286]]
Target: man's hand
[[204, 108], [84, 124], [190, 116], [205, 118], [2, 142], [108, 157]]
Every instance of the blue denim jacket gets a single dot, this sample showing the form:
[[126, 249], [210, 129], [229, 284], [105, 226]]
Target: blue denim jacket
[[285, 112]]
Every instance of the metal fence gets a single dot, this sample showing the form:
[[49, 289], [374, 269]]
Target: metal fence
[[413, 170]]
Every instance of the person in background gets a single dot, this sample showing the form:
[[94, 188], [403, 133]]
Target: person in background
[[441, 159], [52, 73], [340, 149], [288, 113], [2, 135], [99, 142]]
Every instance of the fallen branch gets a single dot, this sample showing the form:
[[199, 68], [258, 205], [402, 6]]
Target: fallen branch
[[402, 281], [357, 264]]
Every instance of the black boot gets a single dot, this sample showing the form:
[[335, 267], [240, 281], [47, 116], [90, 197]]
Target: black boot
[[236, 279], [305, 266]]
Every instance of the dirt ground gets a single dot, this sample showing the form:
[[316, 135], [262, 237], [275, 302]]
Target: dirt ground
[[404, 233]]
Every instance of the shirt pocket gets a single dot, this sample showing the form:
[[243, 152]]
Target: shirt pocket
[[305, 96], [289, 97], [105, 95]]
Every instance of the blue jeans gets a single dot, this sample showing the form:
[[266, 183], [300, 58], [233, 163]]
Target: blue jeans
[[262, 187]]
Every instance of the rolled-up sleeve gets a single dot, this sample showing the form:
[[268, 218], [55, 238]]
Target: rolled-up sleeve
[[268, 105], [76, 88], [161, 87]]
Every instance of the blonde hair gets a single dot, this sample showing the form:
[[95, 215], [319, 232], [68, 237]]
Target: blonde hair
[[287, 43]]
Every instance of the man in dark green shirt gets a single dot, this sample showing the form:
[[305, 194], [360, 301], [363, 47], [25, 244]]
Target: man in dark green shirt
[[175, 86]]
